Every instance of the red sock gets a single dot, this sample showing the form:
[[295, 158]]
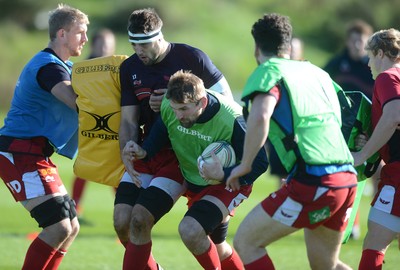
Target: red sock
[[139, 257], [264, 263], [38, 255], [77, 190], [56, 260], [209, 259], [151, 263], [371, 260], [233, 262]]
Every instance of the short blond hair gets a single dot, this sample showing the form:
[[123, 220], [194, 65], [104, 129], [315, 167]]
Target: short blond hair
[[63, 17]]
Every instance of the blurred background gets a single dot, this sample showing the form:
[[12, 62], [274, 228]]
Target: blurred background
[[221, 28]]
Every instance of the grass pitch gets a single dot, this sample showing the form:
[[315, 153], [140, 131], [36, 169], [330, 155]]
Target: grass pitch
[[97, 248]]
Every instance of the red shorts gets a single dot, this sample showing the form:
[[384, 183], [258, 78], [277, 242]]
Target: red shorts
[[231, 199], [305, 206], [163, 164], [387, 199], [29, 176]]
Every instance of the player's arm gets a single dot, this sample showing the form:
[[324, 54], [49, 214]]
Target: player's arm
[[222, 86], [130, 108], [156, 139], [258, 122], [128, 131], [260, 162], [129, 125], [212, 77], [64, 92], [55, 79], [386, 126], [263, 106]]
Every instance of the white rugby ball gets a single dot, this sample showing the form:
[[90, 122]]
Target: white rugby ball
[[224, 152]]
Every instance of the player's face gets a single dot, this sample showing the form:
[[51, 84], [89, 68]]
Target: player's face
[[148, 53], [75, 38], [355, 44], [375, 63], [104, 46], [186, 113]]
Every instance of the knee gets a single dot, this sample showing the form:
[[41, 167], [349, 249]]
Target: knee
[[75, 227], [224, 250], [141, 221], [189, 230], [64, 230], [121, 220]]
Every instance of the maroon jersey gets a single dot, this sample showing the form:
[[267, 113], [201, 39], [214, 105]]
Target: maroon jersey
[[387, 88]]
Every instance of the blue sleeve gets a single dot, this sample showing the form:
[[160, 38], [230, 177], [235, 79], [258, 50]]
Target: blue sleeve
[[260, 163], [156, 139]]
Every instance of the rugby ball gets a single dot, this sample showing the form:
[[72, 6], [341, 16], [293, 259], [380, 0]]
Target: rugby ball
[[224, 152]]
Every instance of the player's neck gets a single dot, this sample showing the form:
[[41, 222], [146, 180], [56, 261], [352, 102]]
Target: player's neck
[[58, 50], [165, 49]]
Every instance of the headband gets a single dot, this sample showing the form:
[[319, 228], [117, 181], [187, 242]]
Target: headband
[[145, 38]]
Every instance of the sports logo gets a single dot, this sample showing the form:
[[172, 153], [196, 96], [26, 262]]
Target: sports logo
[[288, 212], [236, 201], [348, 214], [286, 215], [101, 124], [97, 68], [49, 178], [319, 215], [382, 201], [15, 186], [386, 199]]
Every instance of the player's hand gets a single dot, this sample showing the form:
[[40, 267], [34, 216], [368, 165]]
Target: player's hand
[[156, 98], [211, 170], [359, 141], [233, 180], [130, 169], [358, 158], [130, 153]]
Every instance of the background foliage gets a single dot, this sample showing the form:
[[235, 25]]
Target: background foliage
[[219, 27]]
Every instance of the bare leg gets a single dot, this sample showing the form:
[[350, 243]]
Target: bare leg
[[256, 232], [122, 218], [323, 248]]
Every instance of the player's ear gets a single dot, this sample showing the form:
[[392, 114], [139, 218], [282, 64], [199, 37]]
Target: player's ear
[[203, 102], [61, 33]]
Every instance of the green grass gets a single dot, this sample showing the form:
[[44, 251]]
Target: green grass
[[97, 247]]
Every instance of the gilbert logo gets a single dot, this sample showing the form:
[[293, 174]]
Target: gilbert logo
[[101, 124], [97, 68]]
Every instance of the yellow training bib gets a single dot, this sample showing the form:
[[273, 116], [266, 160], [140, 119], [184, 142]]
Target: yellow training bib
[[96, 82]]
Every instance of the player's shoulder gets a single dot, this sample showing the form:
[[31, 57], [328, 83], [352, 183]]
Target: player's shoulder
[[131, 62], [187, 49]]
